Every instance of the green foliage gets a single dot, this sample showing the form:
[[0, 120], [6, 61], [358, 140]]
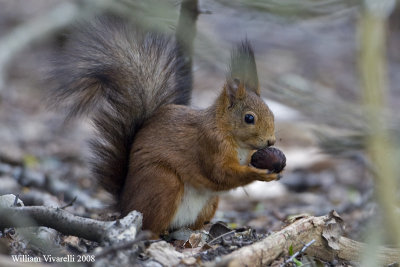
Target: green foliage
[[291, 250], [30, 161], [297, 262]]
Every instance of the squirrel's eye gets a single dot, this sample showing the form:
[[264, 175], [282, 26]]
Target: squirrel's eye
[[248, 118]]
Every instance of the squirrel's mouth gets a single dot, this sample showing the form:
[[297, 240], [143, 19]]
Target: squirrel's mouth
[[262, 146], [258, 147]]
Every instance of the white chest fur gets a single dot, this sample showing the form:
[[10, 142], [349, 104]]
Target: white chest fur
[[243, 155], [192, 203]]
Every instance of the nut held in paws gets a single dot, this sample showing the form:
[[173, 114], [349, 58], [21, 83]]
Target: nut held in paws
[[269, 158]]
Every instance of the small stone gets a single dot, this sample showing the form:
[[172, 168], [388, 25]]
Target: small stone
[[7, 201]]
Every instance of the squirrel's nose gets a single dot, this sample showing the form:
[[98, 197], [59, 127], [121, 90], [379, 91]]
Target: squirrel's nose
[[271, 141]]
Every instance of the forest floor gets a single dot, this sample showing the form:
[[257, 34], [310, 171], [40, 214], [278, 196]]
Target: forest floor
[[43, 158]]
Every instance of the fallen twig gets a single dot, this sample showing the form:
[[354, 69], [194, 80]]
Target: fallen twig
[[299, 252], [221, 236], [69, 204], [121, 230], [120, 246], [329, 244]]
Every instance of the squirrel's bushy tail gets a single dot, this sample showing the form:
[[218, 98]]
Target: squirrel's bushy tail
[[119, 76]]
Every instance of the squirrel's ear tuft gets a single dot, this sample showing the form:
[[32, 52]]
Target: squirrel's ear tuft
[[243, 68], [235, 90]]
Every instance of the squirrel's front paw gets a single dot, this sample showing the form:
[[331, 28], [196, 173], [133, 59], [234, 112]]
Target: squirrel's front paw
[[278, 175], [270, 176]]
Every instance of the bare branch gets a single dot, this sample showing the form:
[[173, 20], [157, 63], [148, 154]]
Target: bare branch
[[33, 30], [69, 204], [329, 244], [221, 236], [291, 259], [123, 245], [69, 224], [57, 18], [186, 29]]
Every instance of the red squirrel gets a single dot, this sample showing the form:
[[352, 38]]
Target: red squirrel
[[152, 151]]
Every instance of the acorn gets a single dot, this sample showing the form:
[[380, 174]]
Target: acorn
[[269, 158]]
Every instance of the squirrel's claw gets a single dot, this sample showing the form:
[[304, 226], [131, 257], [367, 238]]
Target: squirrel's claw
[[271, 176]]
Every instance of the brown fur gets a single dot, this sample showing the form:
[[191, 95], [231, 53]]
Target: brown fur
[[149, 148], [194, 147], [206, 214]]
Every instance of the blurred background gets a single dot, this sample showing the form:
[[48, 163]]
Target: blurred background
[[329, 70]]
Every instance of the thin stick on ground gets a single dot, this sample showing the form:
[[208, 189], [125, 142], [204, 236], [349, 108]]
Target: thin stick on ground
[[69, 204], [221, 236], [299, 252], [68, 223], [329, 244], [144, 235]]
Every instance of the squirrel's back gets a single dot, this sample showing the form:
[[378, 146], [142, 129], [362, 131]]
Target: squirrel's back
[[119, 76]]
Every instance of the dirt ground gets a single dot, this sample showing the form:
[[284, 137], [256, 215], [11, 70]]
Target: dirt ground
[[41, 154]]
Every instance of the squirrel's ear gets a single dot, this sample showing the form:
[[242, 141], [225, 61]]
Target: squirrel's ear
[[243, 68], [235, 90]]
